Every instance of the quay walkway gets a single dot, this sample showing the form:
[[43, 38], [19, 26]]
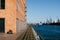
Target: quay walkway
[[28, 35]]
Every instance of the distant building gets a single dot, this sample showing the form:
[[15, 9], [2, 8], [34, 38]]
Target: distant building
[[12, 15], [47, 21], [50, 20], [58, 21]]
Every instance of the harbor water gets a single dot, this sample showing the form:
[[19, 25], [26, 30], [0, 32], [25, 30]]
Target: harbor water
[[48, 32]]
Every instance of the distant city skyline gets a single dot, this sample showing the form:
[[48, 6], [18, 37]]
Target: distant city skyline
[[41, 10]]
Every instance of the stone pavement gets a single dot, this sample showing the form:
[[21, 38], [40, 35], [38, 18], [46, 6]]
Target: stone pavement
[[25, 34], [28, 35], [4, 36]]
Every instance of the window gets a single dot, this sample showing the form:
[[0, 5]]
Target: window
[[2, 25], [2, 4]]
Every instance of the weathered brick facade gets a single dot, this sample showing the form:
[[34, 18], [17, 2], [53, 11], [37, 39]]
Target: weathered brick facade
[[12, 13]]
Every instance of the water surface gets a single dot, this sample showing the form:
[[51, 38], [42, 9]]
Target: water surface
[[48, 32]]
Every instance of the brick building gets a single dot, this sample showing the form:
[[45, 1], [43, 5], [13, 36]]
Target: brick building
[[12, 15]]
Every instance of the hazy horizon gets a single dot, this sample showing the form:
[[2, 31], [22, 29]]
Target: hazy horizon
[[40, 10]]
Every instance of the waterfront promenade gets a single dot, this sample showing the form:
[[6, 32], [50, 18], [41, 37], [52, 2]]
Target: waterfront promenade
[[26, 34]]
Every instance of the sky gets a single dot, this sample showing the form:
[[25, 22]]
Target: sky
[[41, 10]]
